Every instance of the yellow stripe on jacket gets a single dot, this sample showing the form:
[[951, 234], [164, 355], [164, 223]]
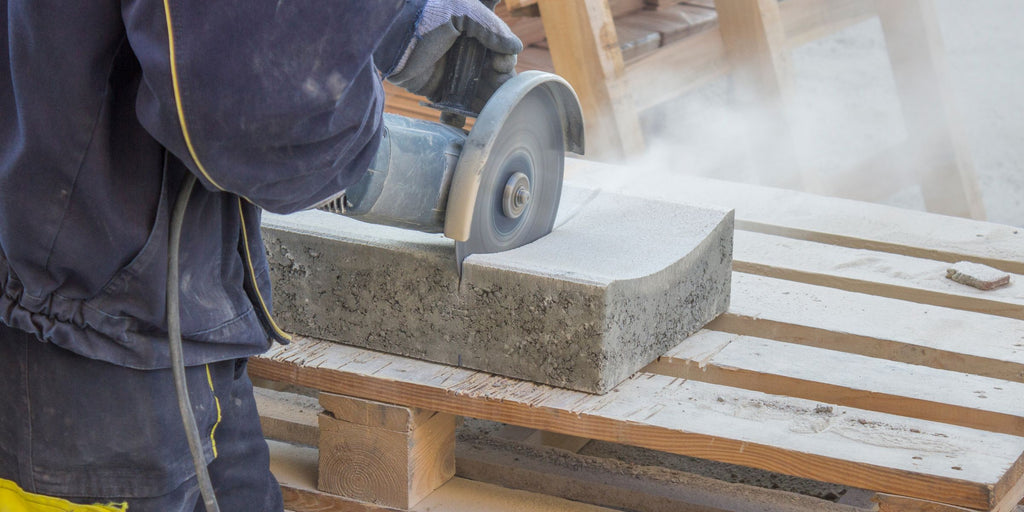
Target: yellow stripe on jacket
[[15, 499]]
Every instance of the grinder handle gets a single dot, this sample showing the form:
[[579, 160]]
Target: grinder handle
[[463, 68]]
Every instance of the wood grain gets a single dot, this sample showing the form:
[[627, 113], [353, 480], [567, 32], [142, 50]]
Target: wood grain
[[871, 272], [833, 377], [942, 338], [381, 453]]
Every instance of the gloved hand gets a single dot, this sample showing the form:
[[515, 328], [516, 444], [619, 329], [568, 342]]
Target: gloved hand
[[422, 66]]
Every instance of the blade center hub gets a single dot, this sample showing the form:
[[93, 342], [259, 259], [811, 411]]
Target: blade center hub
[[516, 196]]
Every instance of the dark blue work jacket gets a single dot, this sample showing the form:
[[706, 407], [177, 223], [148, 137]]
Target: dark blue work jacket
[[106, 105]]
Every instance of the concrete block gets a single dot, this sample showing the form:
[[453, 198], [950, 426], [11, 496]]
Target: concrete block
[[618, 282]]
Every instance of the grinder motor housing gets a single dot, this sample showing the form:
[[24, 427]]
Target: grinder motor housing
[[425, 172]]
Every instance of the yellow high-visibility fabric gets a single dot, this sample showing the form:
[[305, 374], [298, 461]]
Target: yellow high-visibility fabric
[[14, 499]]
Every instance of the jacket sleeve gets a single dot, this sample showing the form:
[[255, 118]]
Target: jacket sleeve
[[276, 101]]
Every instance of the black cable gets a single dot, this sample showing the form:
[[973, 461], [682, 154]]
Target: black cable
[[177, 359]]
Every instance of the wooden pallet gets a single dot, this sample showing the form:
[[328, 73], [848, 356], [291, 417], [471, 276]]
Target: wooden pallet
[[845, 357]]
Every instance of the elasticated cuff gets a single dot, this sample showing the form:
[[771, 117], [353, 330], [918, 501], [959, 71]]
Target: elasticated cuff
[[388, 55]]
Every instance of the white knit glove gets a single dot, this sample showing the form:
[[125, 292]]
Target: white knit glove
[[421, 68]]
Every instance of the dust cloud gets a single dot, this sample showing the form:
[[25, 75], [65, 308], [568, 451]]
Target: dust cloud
[[844, 113]]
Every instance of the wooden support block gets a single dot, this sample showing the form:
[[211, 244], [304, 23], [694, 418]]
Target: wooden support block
[[381, 453], [288, 417]]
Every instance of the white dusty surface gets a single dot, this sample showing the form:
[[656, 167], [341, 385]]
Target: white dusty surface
[[846, 108]]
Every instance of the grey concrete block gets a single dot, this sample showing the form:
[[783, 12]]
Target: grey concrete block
[[618, 282]]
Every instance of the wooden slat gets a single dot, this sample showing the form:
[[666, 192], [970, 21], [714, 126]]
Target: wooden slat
[[827, 220], [848, 446], [941, 338], [871, 272], [846, 379]]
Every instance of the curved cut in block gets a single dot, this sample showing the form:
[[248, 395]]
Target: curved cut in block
[[617, 283]]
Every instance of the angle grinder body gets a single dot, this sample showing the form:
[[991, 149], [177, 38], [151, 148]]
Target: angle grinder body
[[493, 188]]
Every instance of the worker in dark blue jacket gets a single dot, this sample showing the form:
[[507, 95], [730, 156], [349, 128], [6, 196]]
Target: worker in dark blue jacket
[[105, 107]]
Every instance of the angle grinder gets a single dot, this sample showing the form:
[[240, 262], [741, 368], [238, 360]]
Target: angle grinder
[[493, 188]]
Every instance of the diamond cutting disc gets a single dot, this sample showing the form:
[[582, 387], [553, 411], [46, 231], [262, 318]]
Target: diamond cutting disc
[[521, 181]]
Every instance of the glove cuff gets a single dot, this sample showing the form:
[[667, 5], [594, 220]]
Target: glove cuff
[[394, 49]]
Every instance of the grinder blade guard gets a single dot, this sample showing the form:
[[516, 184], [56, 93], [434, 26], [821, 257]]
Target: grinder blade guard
[[492, 189]]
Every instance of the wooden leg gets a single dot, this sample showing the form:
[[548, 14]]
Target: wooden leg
[[918, 65], [382, 453], [755, 43], [585, 50]]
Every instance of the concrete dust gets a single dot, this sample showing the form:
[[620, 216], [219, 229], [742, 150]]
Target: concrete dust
[[845, 109]]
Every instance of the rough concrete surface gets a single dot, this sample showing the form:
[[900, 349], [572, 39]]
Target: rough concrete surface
[[619, 281]]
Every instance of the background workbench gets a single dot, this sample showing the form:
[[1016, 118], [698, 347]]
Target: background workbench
[[845, 357]]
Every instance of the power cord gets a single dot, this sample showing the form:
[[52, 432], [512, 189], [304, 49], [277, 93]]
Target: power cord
[[188, 419]]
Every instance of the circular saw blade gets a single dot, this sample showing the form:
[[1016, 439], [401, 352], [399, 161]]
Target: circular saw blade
[[529, 143]]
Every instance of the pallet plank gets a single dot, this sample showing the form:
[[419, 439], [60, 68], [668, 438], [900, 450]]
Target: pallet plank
[[932, 336], [849, 446], [847, 379], [871, 272]]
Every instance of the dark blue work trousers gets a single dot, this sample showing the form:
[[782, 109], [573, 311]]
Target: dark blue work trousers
[[91, 431]]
